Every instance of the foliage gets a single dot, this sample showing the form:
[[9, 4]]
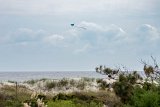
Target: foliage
[[89, 98], [99, 80], [81, 85], [86, 79], [8, 96], [32, 82], [79, 100], [144, 98], [9, 93], [62, 83], [124, 87], [152, 71], [149, 86], [107, 71], [72, 82], [68, 103], [10, 81], [102, 84], [51, 84], [10, 103]]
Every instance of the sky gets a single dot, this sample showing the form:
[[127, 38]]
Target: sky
[[36, 35]]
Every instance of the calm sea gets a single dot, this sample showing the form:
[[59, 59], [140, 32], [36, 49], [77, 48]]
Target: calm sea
[[23, 76]]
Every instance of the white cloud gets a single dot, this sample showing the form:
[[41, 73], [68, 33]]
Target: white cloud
[[82, 49], [101, 43], [109, 38], [101, 35], [55, 40], [149, 32], [93, 37], [23, 36]]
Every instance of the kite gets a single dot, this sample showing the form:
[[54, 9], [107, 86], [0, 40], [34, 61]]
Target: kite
[[73, 25]]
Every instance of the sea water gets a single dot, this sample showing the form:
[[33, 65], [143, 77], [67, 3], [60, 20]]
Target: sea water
[[24, 76]]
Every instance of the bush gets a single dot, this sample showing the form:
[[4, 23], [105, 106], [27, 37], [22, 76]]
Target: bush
[[10, 103], [50, 85], [103, 85], [61, 103], [143, 98], [149, 86], [72, 82], [86, 79], [74, 100], [77, 98], [81, 85], [99, 80], [62, 83], [125, 86], [123, 90], [69, 103], [32, 82]]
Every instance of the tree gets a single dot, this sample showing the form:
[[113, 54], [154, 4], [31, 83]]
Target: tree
[[152, 72], [125, 85], [107, 71]]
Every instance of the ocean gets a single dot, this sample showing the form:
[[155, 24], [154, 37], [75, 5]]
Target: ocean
[[24, 76]]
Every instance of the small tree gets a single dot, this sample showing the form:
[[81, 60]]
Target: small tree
[[152, 72], [106, 71], [125, 85]]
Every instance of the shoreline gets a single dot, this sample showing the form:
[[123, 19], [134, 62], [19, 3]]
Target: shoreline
[[25, 76]]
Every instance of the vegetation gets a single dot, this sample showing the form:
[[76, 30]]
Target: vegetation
[[75, 99], [107, 71], [125, 85], [144, 98], [129, 90], [51, 84], [152, 72], [89, 99], [66, 83], [102, 84], [68, 103], [8, 96]]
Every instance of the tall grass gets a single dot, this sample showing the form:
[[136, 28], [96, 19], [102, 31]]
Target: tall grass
[[64, 103]]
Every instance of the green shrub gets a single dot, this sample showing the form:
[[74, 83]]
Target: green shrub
[[61, 103], [125, 86], [10, 103], [81, 85], [86, 79], [51, 84], [99, 80], [10, 81], [142, 98], [103, 85], [149, 86], [123, 90], [32, 82], [62, 83], [43, 79], [72, 82], [76, 97], [69, 103]]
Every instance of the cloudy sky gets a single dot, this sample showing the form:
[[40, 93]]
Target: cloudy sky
[[36, 35]]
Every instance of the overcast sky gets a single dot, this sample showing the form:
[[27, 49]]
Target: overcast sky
[[36, 35]]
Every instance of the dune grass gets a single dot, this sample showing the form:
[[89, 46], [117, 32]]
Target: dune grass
[[82, 98], [68, 103]]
